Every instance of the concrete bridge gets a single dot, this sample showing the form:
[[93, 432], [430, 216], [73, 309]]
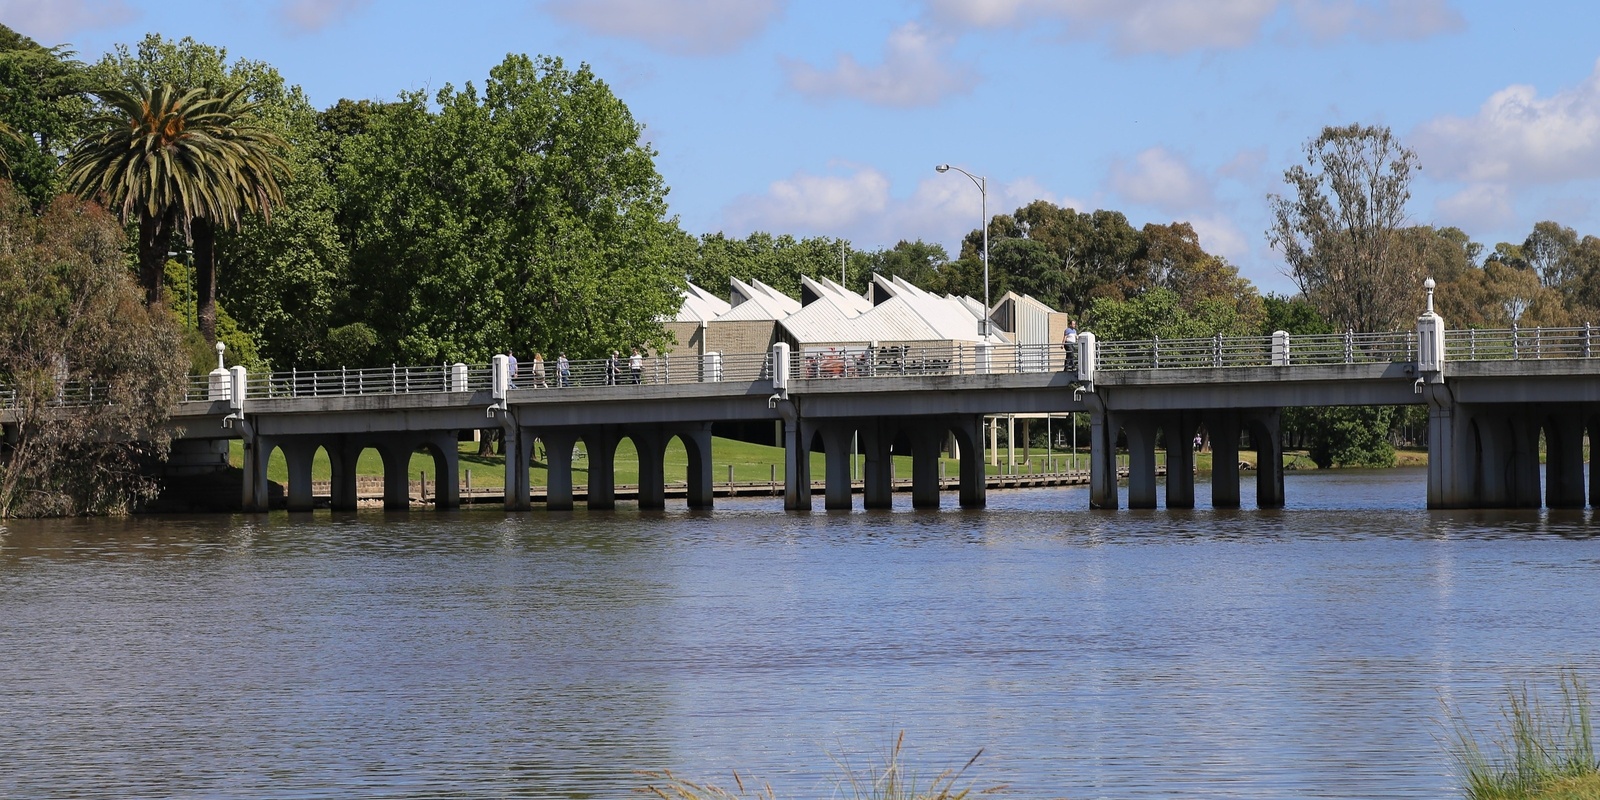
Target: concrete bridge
[[1491, 394]]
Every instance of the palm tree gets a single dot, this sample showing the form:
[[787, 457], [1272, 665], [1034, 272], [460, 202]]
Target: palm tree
[[179, 160]]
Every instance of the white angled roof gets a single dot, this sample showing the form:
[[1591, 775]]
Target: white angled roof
[[700, 305]]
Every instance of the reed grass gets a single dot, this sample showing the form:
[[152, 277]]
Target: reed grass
[[1540, 750], [892, 779]]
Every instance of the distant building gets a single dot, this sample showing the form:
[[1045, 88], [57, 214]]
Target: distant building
[[836, 329]]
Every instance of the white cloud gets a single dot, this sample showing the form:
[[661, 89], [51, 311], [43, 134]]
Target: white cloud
[[1480, 206], [913, 73], [1519, 138], [858, 204], [1247, 166], [1180, 26], [310, 16], [1220, 236], [1159, 178], [813, 203], [1378, 19], [50, 23], [684, 27]]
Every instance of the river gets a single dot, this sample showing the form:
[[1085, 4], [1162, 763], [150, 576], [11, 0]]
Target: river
[[1308, 652]]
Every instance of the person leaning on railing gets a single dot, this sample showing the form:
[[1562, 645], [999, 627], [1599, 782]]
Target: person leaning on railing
[[1069, 343]]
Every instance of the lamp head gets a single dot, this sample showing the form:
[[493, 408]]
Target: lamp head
[[942, 168]]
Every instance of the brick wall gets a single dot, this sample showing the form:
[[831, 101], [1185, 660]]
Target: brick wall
[[742, 337], [690, 337]]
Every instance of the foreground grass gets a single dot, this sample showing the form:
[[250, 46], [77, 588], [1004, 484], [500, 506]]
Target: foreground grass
[[890, 780], [1540, 751]]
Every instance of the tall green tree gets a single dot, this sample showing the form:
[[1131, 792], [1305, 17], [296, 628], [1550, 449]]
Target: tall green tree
[[527, 216], [42, 101], [1337, 227]]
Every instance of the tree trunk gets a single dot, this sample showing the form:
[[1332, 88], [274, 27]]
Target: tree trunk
[[155, 236], [204, 241]]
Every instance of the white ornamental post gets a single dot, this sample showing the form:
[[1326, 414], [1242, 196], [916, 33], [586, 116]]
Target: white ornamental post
[[1430, 337], [217, 386], [1280, 348]]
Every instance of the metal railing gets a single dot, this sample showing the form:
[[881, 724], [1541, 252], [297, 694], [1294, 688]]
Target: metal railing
[[1257, 351], [71, 394], [654, 370], [1218, 352], [1516, 344], [902, 361], [479, 377]]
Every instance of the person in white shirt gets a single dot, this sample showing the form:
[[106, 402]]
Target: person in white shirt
[[636, 366]]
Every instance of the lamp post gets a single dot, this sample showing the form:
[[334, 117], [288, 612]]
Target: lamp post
[[983, 191]]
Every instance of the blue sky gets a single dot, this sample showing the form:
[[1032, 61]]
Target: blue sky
[[819, 117]]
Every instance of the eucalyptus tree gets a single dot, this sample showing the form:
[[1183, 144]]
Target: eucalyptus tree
[[169, 158], [1338, 228]]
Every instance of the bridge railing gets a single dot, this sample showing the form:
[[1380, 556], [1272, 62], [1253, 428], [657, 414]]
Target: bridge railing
[[892, 361], [341, 382], [479, 377], [663, 369], [69, 394], [1258, 351], [1515, 344]]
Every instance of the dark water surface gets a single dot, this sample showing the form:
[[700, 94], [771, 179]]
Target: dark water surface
[[1301, 653]]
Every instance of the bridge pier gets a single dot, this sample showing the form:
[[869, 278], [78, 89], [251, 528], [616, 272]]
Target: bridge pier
[[836, 458], [1564, 459], [1141, 433], [558, 444], [517, 445], [650, 445], [925, 452], [696, 440], [1180, 428], [446, 452], [257, 452], [1266, 436], [796, 460], [600, 443], [396, 454], [298, 454], [1103, 428], [877, 486], [967, 433], [1224, 429]]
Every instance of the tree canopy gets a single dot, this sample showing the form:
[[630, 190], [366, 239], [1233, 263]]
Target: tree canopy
[[72, 321], [1337, 228], [527, 216]]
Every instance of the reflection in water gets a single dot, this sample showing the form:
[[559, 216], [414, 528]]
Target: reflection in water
[[1127, 654]]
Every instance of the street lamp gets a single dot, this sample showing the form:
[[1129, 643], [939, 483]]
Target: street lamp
[[983, 191]]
